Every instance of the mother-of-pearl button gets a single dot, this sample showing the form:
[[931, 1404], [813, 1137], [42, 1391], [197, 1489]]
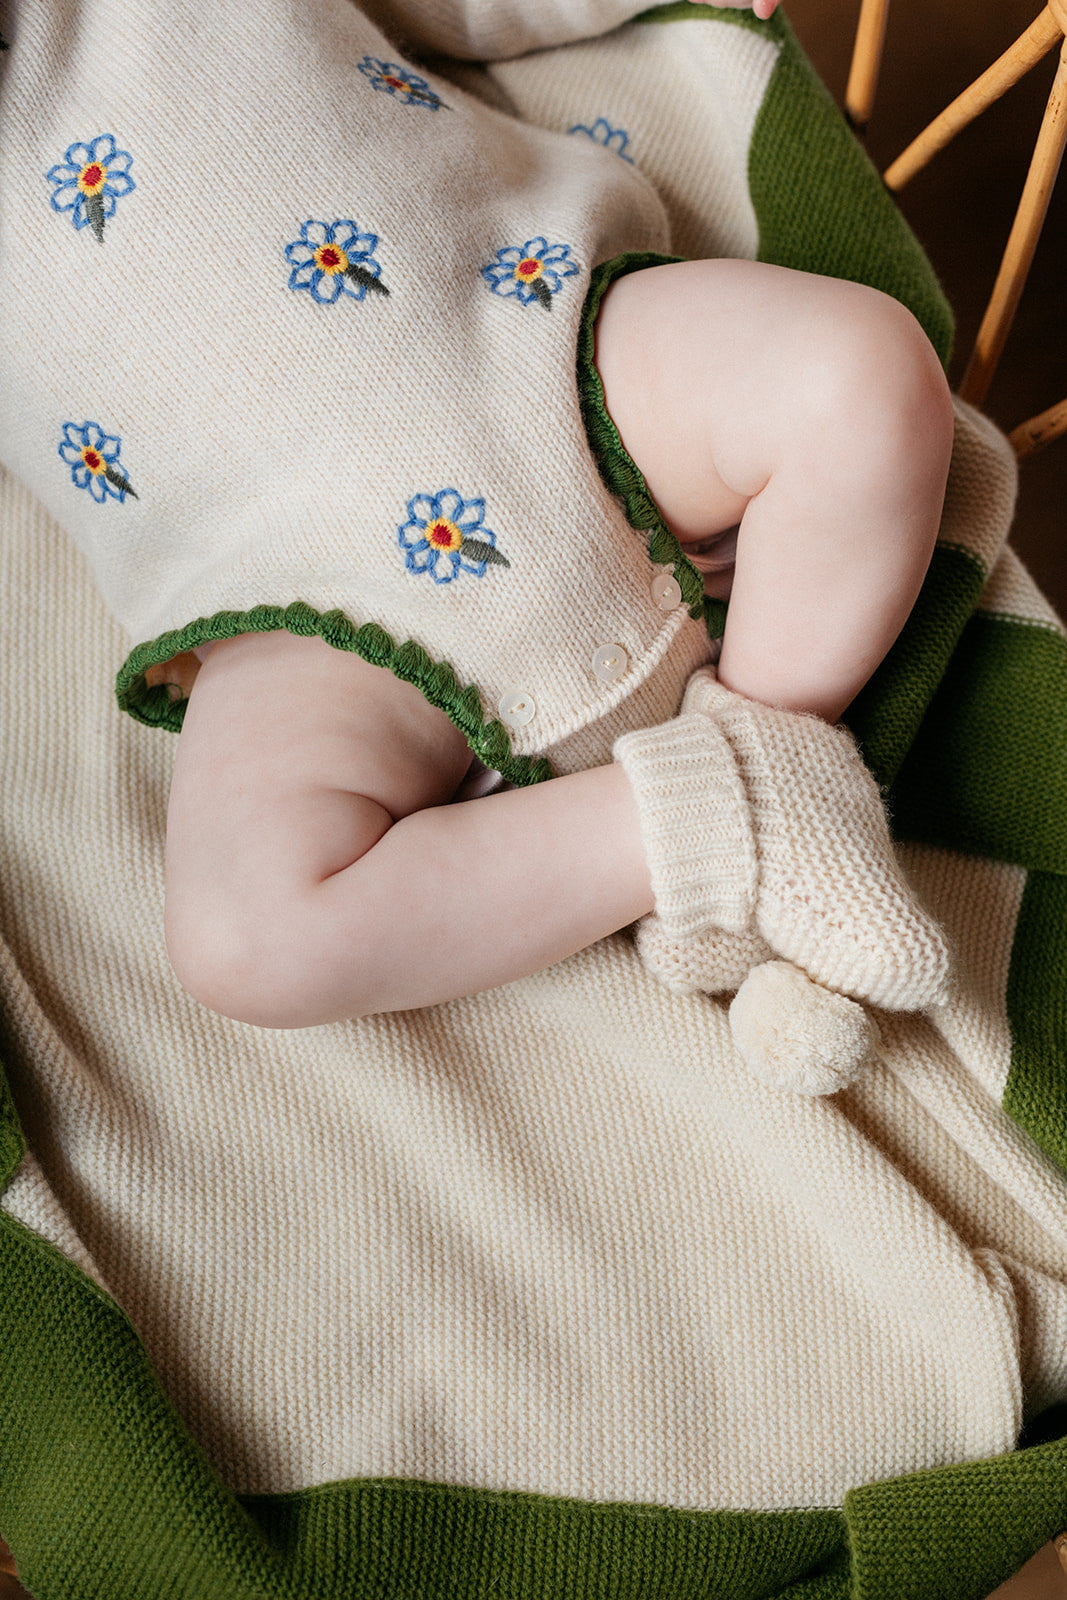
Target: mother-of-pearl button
[[610, 661], [666, 591], [517, 708]]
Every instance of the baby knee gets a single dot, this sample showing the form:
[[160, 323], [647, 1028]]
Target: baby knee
[[890, 389]]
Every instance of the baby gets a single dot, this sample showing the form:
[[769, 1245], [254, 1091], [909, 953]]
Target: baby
[[793, 433]]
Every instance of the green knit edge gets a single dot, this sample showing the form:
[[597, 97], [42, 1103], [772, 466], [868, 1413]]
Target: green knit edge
[[820, 203], [436, 680], [617, 467], [104, 1496], [1036, 1092], [987, 771]]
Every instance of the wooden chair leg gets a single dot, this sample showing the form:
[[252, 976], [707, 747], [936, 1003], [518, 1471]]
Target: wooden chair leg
[[866, 62], [1030, 437], [1022, 241], [1026, 52]]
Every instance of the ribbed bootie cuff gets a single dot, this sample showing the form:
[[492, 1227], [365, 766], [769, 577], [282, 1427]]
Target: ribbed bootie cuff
[[695, 825]]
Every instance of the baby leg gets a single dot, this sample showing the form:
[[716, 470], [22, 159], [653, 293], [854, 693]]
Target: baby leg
[[315, 871], [813, 412]]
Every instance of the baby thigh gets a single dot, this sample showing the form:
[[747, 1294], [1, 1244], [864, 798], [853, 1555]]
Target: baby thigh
[[814, 413]]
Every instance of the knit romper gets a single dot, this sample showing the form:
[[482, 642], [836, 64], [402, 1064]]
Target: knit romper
[[299, 335]]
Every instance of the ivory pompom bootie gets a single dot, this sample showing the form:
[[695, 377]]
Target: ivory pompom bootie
[[830, 922]]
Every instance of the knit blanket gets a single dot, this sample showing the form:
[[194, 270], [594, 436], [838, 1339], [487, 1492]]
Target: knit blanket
[[538, 1295]]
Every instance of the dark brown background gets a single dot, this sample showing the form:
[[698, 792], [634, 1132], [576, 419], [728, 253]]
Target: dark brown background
[[962, 207]]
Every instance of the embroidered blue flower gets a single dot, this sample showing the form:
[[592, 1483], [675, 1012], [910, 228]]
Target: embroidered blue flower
[[401, 83], [334, 258], [445, 535], [532, 272], [93, 458], [603, 133], [89, 180]]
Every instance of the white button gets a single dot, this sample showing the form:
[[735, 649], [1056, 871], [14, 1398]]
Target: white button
[[610, 662], [666, 591], [517, 708]]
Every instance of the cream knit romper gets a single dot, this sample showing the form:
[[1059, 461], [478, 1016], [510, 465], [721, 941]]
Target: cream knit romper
[[291, 336]]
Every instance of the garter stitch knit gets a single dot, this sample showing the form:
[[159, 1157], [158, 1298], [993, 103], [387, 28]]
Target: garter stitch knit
[[832, 898]]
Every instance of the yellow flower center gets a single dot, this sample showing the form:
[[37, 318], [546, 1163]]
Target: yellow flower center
[[330, 258], [396, 83], [443, 534], [94, 461], [92, 177], [529, 269]]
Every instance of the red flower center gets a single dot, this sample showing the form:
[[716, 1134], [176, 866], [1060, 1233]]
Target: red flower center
[[529, 267], [444, 535], [393, 82], [92, 174], [92, 460], [329, 257]]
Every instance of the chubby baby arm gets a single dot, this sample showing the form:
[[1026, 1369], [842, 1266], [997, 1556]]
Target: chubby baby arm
[[495, 30], [315, 871]]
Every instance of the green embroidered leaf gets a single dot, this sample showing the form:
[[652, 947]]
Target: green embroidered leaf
[[120, 480], [95, 207], [427, 97], [445, 683], [360, 274], [543, 293], [478, 550]]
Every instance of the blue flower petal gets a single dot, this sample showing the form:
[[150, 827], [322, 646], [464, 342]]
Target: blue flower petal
[[422, 508], [81, 211], [70, 202], [325, 287], [117, 183], [80, 474], [71, 453], [449, 558], [315, 233], [109, 446], [342, 233], [449, 503], [98, 487], [300, 277], [536, 247], [94, 436], [413, 546], [63, 172], [119, 163], [73, 434], [79, 155], [471, 520], [103, 148], [300, 253]]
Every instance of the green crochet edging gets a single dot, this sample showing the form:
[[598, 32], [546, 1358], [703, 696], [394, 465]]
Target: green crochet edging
[[1036, 1092], [105, 1496], [617, 467], [436, 680]]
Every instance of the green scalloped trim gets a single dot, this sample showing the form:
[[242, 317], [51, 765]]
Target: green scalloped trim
[[617, 467], [435, 679]]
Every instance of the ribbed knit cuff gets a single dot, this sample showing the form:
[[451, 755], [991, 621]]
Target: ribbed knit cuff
[[695, 825]]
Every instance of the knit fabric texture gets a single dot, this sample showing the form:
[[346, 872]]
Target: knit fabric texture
[[537, 1294], [695, 824]]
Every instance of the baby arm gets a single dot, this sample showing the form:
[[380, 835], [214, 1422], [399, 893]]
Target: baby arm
[[494, 30], [315, 873]]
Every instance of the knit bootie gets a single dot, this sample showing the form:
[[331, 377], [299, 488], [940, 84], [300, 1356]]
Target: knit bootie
[[791, 1033], [831, 898]]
